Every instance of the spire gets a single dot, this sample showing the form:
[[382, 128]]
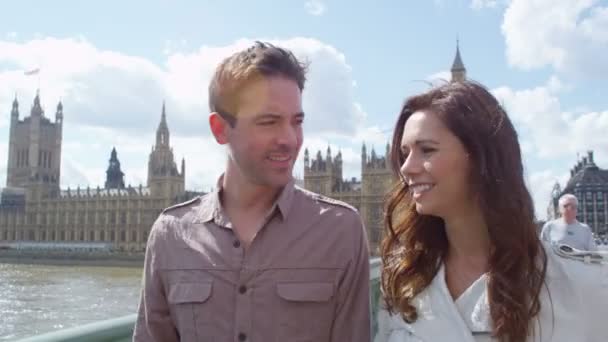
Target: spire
[[363, 157], [458, 70], [114, 175], [183, 166], [59, 112], [113, 156], [15, 109], [36, 108], [162, 133], [457, 65], [306, 158]]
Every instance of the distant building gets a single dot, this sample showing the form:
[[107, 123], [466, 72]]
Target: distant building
[[33, 208], [589, 184], [323, 174], [459, 72]]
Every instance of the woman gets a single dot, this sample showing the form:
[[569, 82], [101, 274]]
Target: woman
[[461, 255]]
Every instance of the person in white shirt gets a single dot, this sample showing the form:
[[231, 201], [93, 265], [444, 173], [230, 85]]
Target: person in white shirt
[[461, 256], [567, 229]]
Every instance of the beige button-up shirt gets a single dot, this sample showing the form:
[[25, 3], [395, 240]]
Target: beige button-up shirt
[[305, 276]]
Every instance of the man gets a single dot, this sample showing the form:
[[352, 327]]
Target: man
[[259, 259], [567, 229]]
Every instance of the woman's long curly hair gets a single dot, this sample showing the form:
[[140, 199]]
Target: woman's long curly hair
[[415, 245]]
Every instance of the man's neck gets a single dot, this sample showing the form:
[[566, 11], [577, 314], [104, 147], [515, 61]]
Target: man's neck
[[241, 195], [569, 221], [246, 205]]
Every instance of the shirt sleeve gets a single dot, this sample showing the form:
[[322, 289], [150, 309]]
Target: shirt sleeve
[[544, 234], [154, 323], [383, 318], [352, 319], [591, 245]]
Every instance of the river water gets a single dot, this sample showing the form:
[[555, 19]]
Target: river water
[[40, 298]]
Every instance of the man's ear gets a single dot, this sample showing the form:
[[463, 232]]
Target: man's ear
[[219, 128]]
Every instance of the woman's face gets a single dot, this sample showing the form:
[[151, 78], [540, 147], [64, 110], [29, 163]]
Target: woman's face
[[436, 166]]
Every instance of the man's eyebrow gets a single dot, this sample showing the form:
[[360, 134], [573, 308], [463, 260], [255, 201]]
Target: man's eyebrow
[[275, 116]]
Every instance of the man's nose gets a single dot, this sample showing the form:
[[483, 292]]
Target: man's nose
[[287, 135]]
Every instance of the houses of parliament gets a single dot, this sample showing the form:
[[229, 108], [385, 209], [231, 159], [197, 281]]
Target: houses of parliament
[[33, 208]]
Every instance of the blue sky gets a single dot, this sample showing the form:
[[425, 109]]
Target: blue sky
[[113, 63]]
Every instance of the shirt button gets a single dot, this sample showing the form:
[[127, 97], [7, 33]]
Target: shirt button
[[237, 244], [242, 337], [242, 289]]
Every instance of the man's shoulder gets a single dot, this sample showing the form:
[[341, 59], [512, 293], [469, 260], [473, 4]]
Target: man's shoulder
[[173, 217], [583, 225], [184, 205], [318, 199]]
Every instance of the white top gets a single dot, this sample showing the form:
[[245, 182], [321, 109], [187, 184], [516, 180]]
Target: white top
[[575, 311], [466, 305], [576, 234]]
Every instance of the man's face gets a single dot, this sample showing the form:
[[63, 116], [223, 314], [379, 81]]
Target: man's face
[[568, 209], [266, 139]]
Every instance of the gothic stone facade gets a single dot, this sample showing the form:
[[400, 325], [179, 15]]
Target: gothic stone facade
[[589, 184], [34, 208], [324, 175]]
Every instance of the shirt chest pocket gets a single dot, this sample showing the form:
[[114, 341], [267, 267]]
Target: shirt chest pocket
[[305, 310], [191, 310]]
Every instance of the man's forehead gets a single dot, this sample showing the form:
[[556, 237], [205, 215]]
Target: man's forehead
[[260, 99]]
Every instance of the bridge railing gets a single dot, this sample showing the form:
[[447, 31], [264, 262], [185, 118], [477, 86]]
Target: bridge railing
[[121, 329]]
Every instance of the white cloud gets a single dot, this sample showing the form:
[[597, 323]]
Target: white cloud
[[550, 135], [114, 99], [315, 7], [570, 36], [540, 184], [174, 46], [539, 117], [439, 78], [481, 4]]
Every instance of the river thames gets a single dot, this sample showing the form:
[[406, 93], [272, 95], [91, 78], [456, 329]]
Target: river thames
[[40, 298]]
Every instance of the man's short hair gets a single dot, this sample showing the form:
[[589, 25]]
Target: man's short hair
[[567, 197], [244, 67]]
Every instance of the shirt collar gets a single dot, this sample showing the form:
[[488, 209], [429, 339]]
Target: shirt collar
[[211, 208]]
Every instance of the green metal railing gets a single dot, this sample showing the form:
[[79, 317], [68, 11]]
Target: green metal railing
[[112, 330], [121, 329]]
